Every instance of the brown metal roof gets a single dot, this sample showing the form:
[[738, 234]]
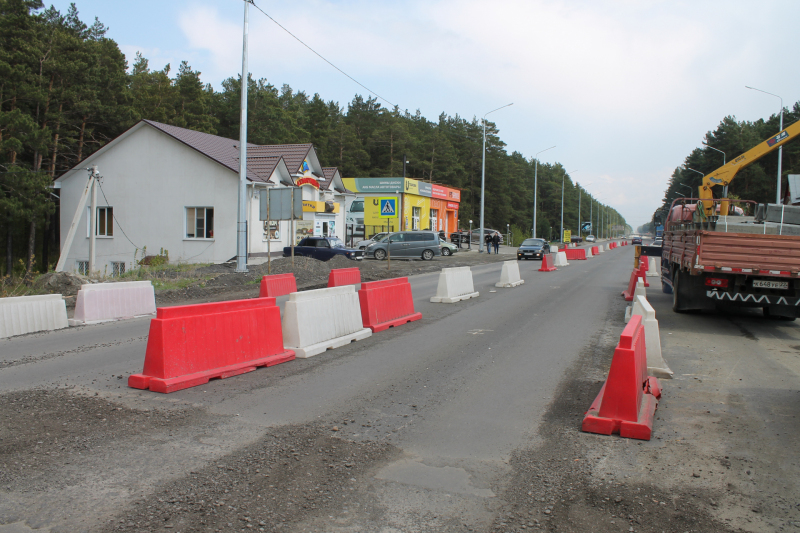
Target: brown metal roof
[[261, 166], [293, 154], [328, 174]]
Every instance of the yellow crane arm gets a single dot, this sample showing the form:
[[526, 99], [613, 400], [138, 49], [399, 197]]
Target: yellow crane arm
[[725, 174]]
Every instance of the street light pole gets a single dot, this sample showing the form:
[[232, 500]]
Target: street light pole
[[687, 186], [536, 185], [483, 174], [724, 189], [563, 178], [780, 148], [241, 233]]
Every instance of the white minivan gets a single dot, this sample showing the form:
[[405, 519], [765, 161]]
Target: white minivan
[[354, 218]]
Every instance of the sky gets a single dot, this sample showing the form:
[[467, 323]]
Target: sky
[[624, 89]]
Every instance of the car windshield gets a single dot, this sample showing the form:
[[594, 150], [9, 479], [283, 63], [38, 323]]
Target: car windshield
[[533, 242], [357, 206], [378, 237], [336, 243]]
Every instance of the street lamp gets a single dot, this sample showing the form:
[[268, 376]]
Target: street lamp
[[536, 185], [483, 173], [687, 186], [404, 165], [469, 237], [724, 189], [561, 229], [693, 170], [780, 148]]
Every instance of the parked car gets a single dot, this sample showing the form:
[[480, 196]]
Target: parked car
[[590, 238], [447, 248], [636, 240], [323, 248], [533, 249], [576, 238], [658, 242], [362, 245], [406, 245], [475, 236]]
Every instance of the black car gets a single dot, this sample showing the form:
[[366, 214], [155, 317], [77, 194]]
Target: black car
[[576, 238], [323, 248], [533, 249], [636, 240]]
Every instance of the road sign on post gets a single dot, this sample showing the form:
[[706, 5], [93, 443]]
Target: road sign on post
[[388, 207], [567, 236], [285, 203]]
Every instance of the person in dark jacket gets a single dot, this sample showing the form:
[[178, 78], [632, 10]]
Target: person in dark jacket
[[488, 240], [496, 242]]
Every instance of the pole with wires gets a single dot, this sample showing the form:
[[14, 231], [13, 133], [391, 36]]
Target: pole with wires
[[241, 218]]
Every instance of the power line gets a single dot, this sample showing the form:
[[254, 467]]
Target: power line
[[318, 54], [115, 216]]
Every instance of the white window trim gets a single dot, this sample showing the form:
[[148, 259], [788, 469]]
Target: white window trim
[[206, 239], [89, 223]]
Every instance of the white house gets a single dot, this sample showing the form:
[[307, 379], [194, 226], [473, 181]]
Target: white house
[[175, 189]]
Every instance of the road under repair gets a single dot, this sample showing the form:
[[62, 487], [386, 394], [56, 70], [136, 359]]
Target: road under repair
[[468, 420]]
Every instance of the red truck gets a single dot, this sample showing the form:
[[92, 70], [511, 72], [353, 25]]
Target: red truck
[[730, 261]]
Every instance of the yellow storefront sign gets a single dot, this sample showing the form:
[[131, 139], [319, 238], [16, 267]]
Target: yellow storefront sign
[[567, 235], [310, 206]]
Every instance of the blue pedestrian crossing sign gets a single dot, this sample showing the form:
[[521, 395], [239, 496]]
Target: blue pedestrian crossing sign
[[388, 207]]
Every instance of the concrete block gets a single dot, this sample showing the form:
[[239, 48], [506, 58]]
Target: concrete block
[[322, 319], [455, 284], [28, 314], [652, 269], [656, 365], [640, 289], [509, 276], [628, 313], [589, 253], [103, 302], [561, 259]]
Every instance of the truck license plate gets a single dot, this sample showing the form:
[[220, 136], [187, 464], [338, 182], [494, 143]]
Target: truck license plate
[[766, 284]]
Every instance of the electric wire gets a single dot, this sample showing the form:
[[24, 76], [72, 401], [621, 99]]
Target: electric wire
[[319, 55], [115, 216]]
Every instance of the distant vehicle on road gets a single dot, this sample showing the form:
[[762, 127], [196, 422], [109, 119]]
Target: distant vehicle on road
[[406, 245], [576, 238], [323, 248], [532, 249], [590, 238], [658, 242], [447, 248], [636, 240], [362, 245]]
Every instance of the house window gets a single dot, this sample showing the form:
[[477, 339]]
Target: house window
[[199, 222], [434, 219], [82, 267], [415, 215], [117, 269], [104, 222]]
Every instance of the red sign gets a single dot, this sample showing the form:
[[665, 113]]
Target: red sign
[[452, 205], [445, 193], [307, 181]]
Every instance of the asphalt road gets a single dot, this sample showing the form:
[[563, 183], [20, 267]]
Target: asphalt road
[[450, 423]]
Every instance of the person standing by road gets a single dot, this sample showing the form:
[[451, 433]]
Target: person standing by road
[[496, 242], [488, 241]]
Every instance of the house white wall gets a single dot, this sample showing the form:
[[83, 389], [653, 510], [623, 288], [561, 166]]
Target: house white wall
[[149, 178]]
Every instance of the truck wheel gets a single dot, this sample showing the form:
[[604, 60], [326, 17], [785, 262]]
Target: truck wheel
[[677, 299]]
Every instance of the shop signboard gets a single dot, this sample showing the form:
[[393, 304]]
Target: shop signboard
[[303, 229], [567, 235], [452, 205], [425, 189]]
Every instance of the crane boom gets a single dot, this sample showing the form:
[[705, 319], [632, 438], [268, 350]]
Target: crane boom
[[725, 174]]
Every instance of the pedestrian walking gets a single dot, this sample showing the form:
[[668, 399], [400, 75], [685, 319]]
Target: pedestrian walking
[[488, 241], [496, 242]]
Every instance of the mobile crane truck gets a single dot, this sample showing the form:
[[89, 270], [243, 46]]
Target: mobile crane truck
[[721, 253]]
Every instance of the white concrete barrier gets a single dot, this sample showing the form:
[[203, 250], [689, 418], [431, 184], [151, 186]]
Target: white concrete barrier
[[561, 259], [600, 249], [639, 290], [509, 276], [103, 302], [589, 252], [455, 284], [322, 319], [28, 314], [656, 366], [652, 269]]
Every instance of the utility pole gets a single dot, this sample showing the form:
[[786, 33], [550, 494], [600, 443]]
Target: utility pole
[[241, 230], [93, 223]]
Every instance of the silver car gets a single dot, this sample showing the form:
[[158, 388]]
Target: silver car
[[406, 245], [362, 245]]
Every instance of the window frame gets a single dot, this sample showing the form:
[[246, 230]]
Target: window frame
[[206, 209], [106, 210]]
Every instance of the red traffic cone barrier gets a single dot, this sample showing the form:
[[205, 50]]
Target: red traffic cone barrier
[[277, 285], [628, 400], [547, 265], [344, 276]]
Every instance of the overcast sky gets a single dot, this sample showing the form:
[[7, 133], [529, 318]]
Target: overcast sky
[[624, 89]]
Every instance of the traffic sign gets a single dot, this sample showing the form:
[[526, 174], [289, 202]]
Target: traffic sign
[[388, 207], [567, 235]]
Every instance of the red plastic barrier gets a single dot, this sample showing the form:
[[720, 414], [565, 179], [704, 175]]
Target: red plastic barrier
[[595, 250], [386, 303], [575, 253], [628, 293], [628, 400], [344, 276], [547, 266], [641, 272], [189, 345], [277, 285]]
